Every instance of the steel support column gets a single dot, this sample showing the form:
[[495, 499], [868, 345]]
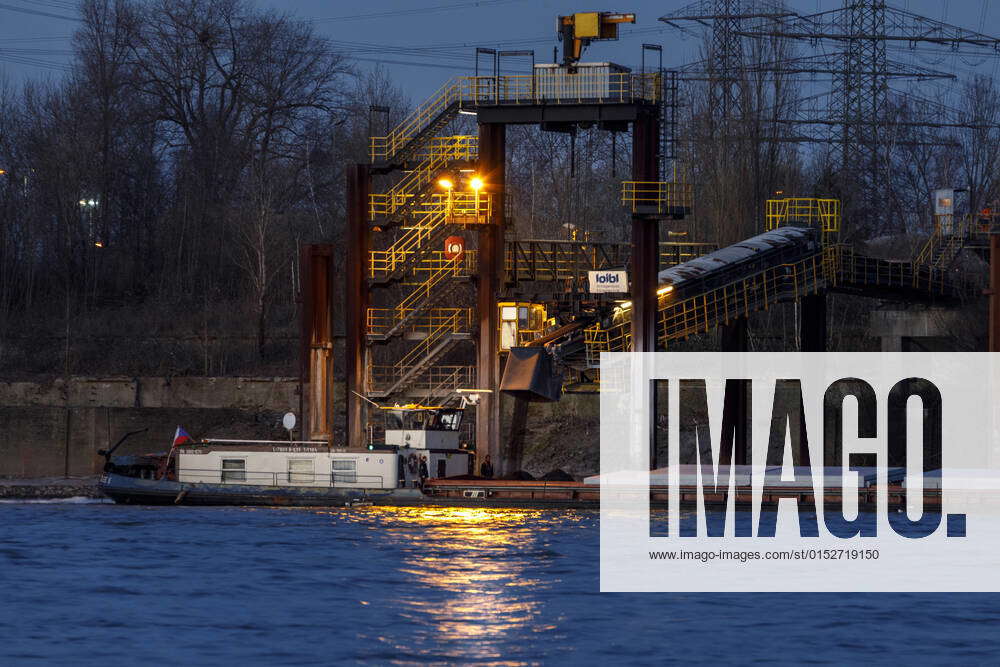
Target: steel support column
[[645, 235], [492, 169], [358, 187], [812, 323], [317, 341]]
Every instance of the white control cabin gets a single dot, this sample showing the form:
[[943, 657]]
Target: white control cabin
[[422, 427], [418, 431]]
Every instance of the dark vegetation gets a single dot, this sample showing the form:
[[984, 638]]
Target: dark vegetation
[[153, 200]]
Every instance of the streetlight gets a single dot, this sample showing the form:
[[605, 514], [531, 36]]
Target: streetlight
[[448, 183], [476, 183], [89, 205]]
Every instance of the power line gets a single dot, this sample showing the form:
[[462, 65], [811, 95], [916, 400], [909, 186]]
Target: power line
[[415, 11], [35, 12]]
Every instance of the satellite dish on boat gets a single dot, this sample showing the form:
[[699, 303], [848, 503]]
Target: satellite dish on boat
[[288, 421]]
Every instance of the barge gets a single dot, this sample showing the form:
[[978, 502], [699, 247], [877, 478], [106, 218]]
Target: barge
[[421, 463]]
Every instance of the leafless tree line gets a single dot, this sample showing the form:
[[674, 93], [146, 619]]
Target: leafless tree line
[[159, 192], [162, 187]]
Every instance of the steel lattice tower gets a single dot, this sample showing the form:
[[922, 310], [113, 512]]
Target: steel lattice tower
[[860, 99], [856, 119], [725, 62]]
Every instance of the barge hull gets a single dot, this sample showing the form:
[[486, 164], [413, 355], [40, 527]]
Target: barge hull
[[133, 491], [460, 493]]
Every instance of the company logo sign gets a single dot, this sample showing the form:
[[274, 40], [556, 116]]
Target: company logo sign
[[608, 281], [800, 472]]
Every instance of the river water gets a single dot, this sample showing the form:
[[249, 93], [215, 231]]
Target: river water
[[100, 584]]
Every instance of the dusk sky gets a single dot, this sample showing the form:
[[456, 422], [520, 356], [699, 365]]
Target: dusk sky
[[424, 42]]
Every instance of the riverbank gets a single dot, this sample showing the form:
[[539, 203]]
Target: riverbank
[[49, 488]]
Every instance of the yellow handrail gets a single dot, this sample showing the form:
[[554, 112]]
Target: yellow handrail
[[822, 214], [663, 196], [556, 88], [448, 325], [382, 320], [441, 151]]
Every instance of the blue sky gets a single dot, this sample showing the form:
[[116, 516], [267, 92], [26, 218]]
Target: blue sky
[[424, 42]]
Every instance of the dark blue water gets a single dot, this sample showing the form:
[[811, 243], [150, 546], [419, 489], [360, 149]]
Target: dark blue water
[[89, 584]]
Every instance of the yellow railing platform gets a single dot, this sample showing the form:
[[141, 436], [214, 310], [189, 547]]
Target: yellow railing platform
[[658, 197], [439, 154], [470, 92], [458, 207], [382, 320], [821, 214]]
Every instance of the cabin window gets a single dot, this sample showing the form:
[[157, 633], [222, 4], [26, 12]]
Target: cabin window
[[234, 470], [451, 420], [300, 471], [345, 471]]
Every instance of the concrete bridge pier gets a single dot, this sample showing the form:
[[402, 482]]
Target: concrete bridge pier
[[915, 329]]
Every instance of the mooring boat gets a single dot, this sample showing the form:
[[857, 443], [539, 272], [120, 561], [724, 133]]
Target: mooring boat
[[271, 472]]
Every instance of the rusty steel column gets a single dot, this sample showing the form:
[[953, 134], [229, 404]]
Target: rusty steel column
[[317, 340], [358, 187], [492, 169], [645, 235], [994, 293]]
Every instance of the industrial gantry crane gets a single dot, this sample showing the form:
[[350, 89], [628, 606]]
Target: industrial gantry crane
[[402, 234]]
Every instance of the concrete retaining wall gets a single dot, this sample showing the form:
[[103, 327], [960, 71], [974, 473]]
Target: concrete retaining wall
[[55, 428]]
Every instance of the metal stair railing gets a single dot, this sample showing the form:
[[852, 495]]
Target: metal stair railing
[[472, 91], [423, 354], [437, 213], [405, 253], [442, 151], [383, 323], [418, 355], [926, 254], [430, 114], [437, 381], [946, 242], [451, 378], [386, 263], [423, 291], [949, 251]]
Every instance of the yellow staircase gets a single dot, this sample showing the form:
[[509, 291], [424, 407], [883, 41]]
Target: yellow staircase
[[427, 215], [951, 236]]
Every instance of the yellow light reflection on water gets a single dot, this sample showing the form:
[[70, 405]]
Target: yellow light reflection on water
[[470, 572], [476, 590]]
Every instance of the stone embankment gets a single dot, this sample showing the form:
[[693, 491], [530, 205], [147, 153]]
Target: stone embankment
[[48, 488]]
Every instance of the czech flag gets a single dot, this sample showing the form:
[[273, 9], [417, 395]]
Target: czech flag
[[181, 436]]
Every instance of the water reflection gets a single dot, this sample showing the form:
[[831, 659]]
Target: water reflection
[[473, 593]]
